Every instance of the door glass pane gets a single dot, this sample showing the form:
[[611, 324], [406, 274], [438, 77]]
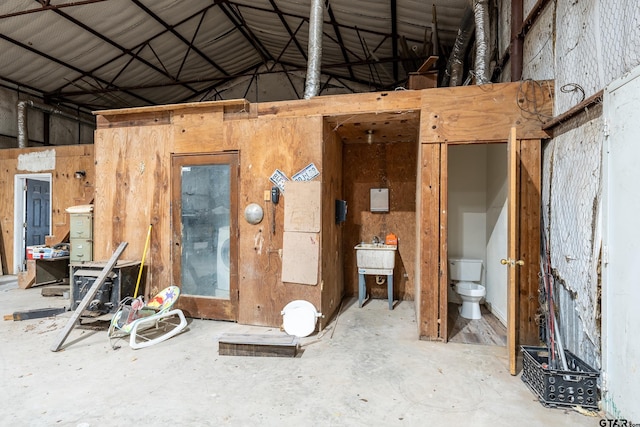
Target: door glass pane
[[206, 202]]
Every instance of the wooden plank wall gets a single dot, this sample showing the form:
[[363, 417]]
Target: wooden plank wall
[[477, 115], [485, 113], [132, 192], [133, 151], [429, 242], [66, 190], [133, 165], [267, 143], [332, 234], [381, 165], [529, 239]]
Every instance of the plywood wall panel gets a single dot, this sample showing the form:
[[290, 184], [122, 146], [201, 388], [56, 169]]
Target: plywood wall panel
[[66, 190], [485, 113], [529, 239], [332, 267], [359, 103], [134, 175], [133, 167], [429, 241], [387, 165], [195, 132], [266, 144]]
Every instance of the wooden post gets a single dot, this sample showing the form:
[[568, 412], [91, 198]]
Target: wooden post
[[89, 296]]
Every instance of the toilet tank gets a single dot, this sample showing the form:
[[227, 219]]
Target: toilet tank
[[467, 270]]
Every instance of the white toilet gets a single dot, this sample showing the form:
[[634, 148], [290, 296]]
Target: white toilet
[[466, 274]]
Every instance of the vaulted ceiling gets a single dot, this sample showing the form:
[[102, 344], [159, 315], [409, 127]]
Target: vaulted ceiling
[[120, 53]]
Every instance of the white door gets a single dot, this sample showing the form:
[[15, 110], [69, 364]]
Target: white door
[[621, 247]]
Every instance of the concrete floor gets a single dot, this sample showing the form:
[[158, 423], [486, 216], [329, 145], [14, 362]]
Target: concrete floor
[[365, 369]]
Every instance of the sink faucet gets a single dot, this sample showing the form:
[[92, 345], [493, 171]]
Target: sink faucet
[[376, 240]]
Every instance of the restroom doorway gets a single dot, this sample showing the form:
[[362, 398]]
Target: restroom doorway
[[477, 230]]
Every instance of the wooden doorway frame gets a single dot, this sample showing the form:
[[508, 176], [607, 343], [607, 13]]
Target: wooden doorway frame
[[433, 250], [207, 307]]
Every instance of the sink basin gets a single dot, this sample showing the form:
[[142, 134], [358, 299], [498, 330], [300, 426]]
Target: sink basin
[[375, 257]]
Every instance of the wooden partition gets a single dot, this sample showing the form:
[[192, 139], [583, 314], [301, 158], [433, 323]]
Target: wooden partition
[[480, 114], [332, 267], [134, 148], [266, 144], [66, 190]]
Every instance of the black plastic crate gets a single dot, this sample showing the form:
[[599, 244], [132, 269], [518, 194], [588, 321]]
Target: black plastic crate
[[556, 388]]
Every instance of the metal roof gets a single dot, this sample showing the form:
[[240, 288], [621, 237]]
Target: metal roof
[[102, 54]]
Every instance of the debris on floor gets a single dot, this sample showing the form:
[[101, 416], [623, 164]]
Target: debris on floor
[[258, 345], [34, 314]]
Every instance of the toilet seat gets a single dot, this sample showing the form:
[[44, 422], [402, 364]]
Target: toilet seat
[[470, 289], [299, 318]]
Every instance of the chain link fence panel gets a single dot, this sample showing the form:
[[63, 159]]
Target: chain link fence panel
[[571, 197], [596, 41]]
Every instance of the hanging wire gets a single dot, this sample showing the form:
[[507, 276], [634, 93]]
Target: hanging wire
[[530, 96], [573, 87]]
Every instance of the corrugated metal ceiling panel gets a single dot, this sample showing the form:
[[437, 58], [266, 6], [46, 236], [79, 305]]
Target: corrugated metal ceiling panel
[[221, 41], [103, 42]]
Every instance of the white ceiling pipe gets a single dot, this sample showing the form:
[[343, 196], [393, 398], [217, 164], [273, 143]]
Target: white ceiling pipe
[[23, 138], [455, 64], [23, 131], [312, 87], [481, 13]]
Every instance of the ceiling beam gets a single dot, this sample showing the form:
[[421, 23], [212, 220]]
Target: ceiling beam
[[138, 47], [69, 66], [240, 24], [336, 29], [342, 26], [193, 39], [288, 28], [173, 31], [107, 40], [249, 72], [47, 6]]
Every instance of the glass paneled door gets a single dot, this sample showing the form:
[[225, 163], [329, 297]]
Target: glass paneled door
[[204, 199]]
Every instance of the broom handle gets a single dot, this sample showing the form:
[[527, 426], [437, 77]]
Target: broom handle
[[144, 255]]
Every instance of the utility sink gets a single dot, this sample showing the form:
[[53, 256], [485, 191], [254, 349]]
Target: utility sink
[[375, 257]]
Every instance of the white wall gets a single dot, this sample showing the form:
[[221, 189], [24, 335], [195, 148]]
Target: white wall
[[584, 45], [621, 243], [478, 216], [467, 204], [496, 278]]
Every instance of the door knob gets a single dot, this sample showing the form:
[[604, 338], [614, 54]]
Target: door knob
[[509, 261]]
